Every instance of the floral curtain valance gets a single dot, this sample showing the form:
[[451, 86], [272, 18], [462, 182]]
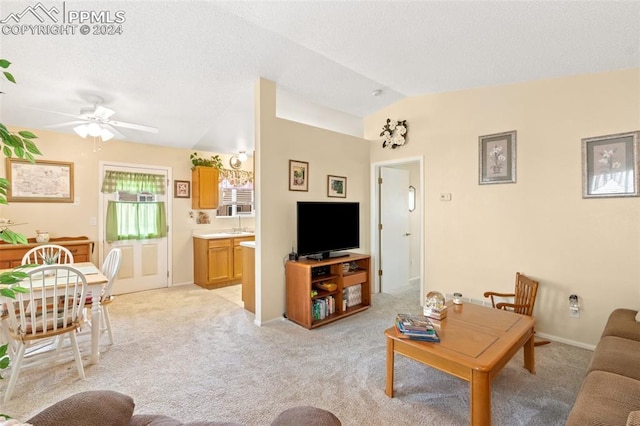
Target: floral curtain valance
[[235, 179], [133, 182]]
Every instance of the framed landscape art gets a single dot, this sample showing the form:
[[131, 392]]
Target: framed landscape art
[[610, 166]]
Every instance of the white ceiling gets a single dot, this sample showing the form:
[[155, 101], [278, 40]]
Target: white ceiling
[[189, 67]]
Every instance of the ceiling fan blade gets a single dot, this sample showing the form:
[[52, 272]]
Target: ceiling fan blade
[[113, 130], [134, 126], [103, 112], [58, 112], [68, 123]]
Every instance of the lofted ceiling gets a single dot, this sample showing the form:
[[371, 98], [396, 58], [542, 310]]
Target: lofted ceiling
[[189, 67]]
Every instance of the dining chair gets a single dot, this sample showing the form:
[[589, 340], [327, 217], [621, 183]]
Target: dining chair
[[52, 307], [48, 254], [524, 298], [110, 268]]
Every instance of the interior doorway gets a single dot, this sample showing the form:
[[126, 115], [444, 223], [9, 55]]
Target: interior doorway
[[398, 269]]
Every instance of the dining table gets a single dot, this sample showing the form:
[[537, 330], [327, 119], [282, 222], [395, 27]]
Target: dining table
[[96, 281]]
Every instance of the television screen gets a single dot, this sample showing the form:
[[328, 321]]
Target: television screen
[[324, 227]]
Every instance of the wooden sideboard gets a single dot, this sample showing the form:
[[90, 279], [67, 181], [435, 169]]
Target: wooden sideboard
[[11, 254]]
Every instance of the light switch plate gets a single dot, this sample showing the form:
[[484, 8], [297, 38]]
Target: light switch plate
[[445, 196]]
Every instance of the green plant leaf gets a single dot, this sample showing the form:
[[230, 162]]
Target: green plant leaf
[[9, 77], [17, 140], [3, 349], [19, 151], [6, 151], [4, 63], [32, 148], [27, 134]]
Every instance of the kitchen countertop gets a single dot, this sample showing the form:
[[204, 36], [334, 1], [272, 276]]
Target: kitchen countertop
[[221, 234]]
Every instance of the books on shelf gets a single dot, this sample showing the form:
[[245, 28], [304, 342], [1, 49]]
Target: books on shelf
[[323, 307], [416, 327]]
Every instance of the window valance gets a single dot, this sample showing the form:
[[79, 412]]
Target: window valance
[[133, 182], [236, 179]]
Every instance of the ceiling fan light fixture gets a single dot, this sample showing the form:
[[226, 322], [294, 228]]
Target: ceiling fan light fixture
[[105, 135], [82, 130], [94, 129]]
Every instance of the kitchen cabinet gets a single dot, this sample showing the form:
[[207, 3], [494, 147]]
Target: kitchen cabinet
[[204, 181], [217, 262]]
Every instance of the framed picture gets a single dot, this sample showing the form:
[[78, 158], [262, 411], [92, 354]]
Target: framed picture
[[39, 182], [298, 175], [497, 158], [336, 186], [181, 189], [610, 166]]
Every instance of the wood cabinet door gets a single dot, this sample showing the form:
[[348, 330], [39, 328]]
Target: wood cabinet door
[[205, 188], [237, 262], [220, 264]]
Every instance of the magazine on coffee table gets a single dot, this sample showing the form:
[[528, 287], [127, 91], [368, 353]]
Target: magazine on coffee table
[[416, 327]]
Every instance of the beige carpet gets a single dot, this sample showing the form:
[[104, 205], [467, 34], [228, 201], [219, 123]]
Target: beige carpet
[[191, 354]]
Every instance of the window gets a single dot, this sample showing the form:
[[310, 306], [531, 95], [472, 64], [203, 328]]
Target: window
[[135, 213]]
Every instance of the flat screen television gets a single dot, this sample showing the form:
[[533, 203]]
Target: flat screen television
[[327, 227]]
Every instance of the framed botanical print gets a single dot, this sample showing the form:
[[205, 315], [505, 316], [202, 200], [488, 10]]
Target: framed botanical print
[[181, 189], [610, 166], [298, 175], [497, 158], [336, 186]]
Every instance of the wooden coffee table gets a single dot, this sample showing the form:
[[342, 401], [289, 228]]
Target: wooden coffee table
[[476, 342]]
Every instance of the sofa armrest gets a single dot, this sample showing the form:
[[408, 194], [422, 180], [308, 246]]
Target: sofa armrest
[[104, 407]]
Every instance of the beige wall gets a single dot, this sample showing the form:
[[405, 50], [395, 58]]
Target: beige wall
[[72, 219], [541, 225], [277, 142]]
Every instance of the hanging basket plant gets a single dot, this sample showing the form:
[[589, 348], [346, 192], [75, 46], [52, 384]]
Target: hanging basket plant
[[394, 133]]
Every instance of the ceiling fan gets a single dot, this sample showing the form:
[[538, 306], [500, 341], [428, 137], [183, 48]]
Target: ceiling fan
[[96, 121]]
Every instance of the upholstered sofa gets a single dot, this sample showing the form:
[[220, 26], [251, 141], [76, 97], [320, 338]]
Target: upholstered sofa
[[610, 392], [109, 408]]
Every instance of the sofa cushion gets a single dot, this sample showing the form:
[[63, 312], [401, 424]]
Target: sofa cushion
[[104, 407], [622, 323], [307, 416], [605, 398], [617, 355], [633, 419]]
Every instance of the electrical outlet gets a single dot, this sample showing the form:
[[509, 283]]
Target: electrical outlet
[[574, 313]]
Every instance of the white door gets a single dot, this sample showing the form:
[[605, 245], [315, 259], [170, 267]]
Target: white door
[[144, 262], [394, 235]]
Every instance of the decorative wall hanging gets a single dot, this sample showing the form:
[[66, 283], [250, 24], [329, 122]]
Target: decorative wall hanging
[[394, 133], [298, 175], [610, 166], [181, 189], [336, 186], [42, 181], [497, 158]]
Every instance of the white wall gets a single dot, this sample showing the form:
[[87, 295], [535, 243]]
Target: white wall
[[328, 153], [541, 225]]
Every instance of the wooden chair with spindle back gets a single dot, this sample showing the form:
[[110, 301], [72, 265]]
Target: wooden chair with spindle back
[[524, 299]]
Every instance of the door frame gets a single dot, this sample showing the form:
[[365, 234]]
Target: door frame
[[375, 217], [168, 202]]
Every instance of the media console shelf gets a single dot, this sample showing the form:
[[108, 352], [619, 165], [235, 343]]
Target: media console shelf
[[351, 295]]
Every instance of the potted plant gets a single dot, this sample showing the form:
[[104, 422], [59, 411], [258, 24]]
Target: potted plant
[[214, 161], [22, 146]]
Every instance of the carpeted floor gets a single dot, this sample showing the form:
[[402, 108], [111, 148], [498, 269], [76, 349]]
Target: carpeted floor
[[193, 355]]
